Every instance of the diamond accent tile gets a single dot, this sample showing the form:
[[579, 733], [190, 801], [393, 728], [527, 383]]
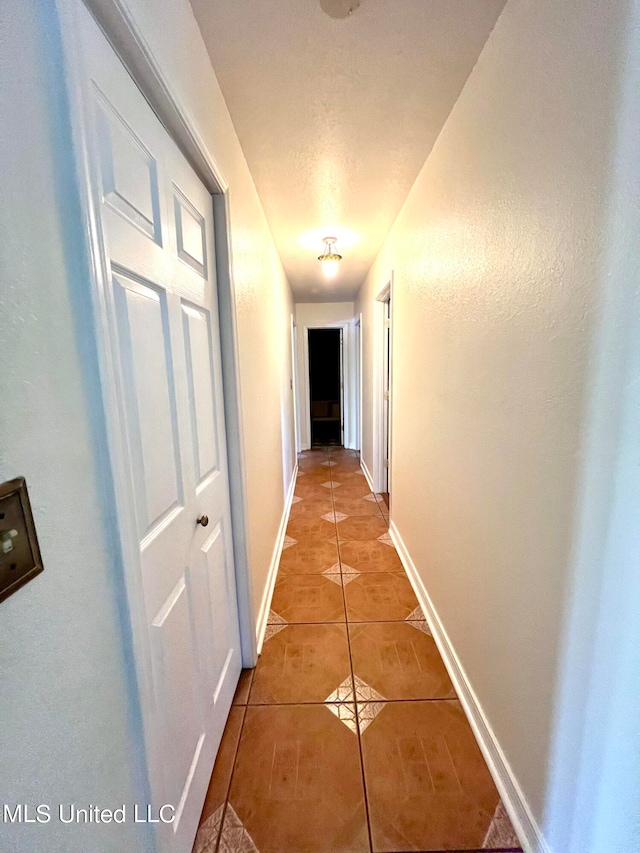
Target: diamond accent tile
[[288, 542], [295, 499], [342, 693], [235, 838], [367, 714], [340, 516], [371, 498], [417, 620], [330, 463], [346, 714], [272, 630], [420, 626], [207, 836], [328, 484], [416, 615], [386, 539], [365, 693], [349, 573], [300, 474], [500, 832], [329, 516], [333, 576], [275, 624]]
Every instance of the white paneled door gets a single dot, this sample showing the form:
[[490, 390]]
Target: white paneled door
[[163, 337]]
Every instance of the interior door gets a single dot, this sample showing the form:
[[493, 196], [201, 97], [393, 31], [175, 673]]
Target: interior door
[[161, 309]]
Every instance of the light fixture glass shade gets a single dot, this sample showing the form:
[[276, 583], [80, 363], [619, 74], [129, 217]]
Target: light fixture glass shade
[[330, 268], [329, 258]]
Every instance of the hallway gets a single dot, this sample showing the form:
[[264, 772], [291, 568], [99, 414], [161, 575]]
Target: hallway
[[347, 737]]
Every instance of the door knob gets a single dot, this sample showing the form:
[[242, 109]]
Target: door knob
[[203, 520]]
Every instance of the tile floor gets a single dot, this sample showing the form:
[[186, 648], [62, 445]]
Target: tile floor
[[347, 737]]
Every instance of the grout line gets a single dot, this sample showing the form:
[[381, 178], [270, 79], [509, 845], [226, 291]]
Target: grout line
[[353, 686], [354, 701], [475, 850], [233, 770]]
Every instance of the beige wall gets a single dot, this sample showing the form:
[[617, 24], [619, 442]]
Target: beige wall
[[499, 258], [70, 720]]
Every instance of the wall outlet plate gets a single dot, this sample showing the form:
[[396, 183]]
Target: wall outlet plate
[[20, 559]]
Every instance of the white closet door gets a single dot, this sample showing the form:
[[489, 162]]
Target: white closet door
[[158, 222]]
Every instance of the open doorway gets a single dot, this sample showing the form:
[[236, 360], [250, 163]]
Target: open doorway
[[326, 386], [382, 391]]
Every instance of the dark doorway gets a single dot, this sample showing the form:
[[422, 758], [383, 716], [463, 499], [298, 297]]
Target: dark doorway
[[325, 386]]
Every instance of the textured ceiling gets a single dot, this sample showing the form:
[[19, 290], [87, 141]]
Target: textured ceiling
[[336, 117]]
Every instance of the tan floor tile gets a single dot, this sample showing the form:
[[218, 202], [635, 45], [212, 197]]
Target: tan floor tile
[[351, 478], [312, 491], [380, 597], [309, 526], [346, 466], [351, 490], [428, 787], [399, 661], [301, 663], [308, 598], [221, 776], [297, 784], [314, 508], [244, 685], [362, 527], [370, 556], [313, 476], [309, 556], [357, 506]]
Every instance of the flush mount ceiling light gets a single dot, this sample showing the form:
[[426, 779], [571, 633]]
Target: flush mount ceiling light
[[329, 258], [339, 8]]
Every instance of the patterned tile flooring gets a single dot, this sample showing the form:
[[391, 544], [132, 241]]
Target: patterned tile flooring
[[348, 736]]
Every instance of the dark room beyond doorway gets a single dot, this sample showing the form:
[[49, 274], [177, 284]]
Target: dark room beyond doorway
[[325, 386]]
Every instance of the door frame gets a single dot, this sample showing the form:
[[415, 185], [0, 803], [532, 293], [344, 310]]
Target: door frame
[[347, 389], [122, 32], [357, 331], [380, 355], [294, 383]]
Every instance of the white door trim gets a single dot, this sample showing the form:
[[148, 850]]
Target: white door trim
[[294, 383], [357, 327], [347, 380], [378, 472], [122, 31]]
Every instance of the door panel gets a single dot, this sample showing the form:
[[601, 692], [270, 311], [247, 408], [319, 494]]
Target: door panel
[[197, 340], [161, 312], [129, 172], [190, 234], [145, 352], [175, 674]]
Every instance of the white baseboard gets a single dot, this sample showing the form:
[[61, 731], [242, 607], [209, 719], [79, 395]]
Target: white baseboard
[[367, 474], [265, 604], [521, 816]]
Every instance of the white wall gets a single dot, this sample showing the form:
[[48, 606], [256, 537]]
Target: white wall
[[70, 722], [314, 315], [70, 730], [503, 257]]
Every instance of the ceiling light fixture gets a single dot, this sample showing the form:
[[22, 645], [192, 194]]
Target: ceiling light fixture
[[329, 258], [339, 8]]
